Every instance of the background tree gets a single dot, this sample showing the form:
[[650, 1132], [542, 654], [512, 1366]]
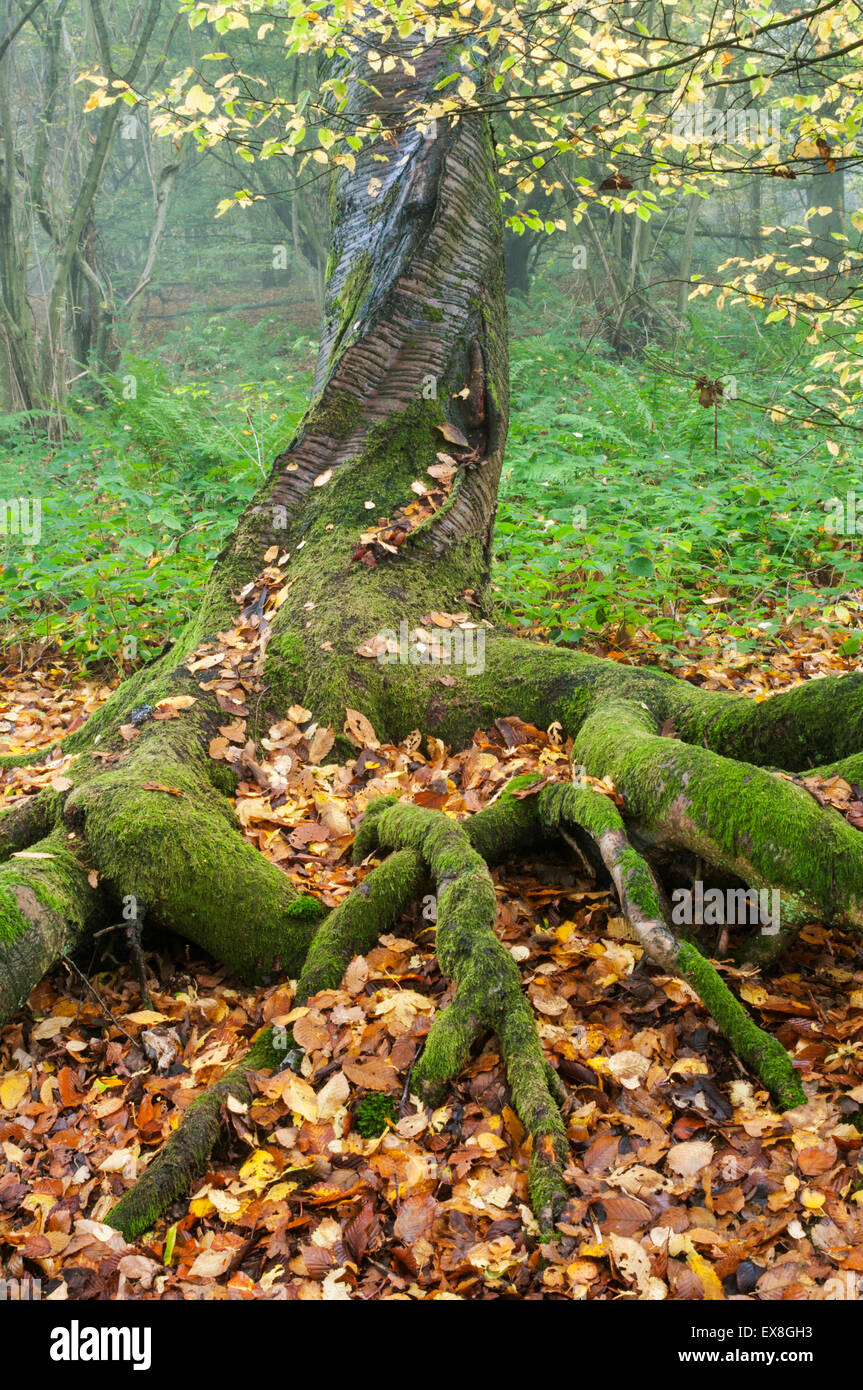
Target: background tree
[[56, 304]]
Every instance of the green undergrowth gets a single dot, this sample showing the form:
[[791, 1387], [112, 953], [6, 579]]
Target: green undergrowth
[[616, 513], [140, 495]]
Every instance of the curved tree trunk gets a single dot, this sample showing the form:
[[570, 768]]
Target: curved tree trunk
[[412, 364]]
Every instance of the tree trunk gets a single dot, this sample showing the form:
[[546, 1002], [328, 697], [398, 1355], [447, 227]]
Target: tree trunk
[[517, 257], [686, 248], [827, 192], [413, 364]]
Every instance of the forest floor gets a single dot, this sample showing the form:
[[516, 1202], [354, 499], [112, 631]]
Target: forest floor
[[686, 1184]]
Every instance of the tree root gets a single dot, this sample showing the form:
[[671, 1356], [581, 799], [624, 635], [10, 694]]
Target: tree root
[[30, 820], [352, 928], [488, 994], [47, 908], [563, 806], [184, 1156], [764, 829]]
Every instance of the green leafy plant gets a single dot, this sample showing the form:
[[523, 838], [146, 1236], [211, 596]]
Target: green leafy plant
[[374, 1113]]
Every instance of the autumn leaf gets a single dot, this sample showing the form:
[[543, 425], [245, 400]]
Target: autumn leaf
[[453, 434]]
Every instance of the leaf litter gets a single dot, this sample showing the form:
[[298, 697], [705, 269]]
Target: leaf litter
[[685, 1183]]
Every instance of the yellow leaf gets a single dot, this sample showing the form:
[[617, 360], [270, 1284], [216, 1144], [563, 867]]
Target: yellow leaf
[[299, 1095], [813, 1201], [259, 1169], [709, 1278], [13, 1089]]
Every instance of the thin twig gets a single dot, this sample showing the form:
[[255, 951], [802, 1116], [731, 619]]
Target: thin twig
[[67, 960]]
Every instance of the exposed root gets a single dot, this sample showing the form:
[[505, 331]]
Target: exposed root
[[355, 925], [565, 806], [184, 1156], [22, 825], [9, 761], [47, 908], [351, 929], [488, 993], [161, 833], [765, 829]]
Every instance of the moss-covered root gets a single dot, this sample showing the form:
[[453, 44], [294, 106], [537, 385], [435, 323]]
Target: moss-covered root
[[488, 992], [390, 888], [161, 833], [750, 822], [27, 822], [355, 925], [565, 807], [47, 907], [186, 1154], [8, 761], [352, 928]]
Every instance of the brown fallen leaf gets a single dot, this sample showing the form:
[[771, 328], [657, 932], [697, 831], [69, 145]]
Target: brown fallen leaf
[[359, 730], [159, 787], [376, 1074]]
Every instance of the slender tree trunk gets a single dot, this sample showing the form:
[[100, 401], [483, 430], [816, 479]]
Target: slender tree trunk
[[827, 191], [686, 248]]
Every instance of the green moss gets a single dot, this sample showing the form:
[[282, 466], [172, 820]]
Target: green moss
[[286, 672], [766, 1057], [488, 985], [12, 924], [47, 907], [815, 723], [740, 818], [181, 857], [432, 313], [31, 820], [55, 881], [375, 1114], [223, 778], [337, 414], [355, 925], [352, 295]]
